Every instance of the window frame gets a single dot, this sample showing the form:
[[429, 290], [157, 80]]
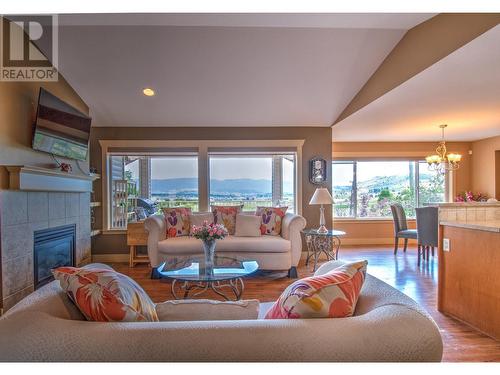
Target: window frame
[[447, 182], [202, 147]]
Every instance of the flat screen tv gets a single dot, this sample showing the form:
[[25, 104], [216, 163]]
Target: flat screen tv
[[60, 129]]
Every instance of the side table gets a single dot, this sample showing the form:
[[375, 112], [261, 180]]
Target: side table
[[137, 236], [327, 243]]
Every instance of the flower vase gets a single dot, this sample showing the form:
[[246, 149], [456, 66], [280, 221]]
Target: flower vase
[[209, 251]]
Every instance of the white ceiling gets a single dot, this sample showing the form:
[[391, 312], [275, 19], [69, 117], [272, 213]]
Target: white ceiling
[[462, 90], [278, 70]]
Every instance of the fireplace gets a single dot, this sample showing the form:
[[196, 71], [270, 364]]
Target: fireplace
[[53, 247]]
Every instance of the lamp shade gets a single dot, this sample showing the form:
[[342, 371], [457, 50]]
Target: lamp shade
[[321, 196]]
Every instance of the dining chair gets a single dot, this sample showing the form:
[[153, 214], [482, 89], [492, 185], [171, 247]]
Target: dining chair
[[401, 227], [427, 230]]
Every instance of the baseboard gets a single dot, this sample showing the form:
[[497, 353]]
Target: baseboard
[[110, 258], [374, 241]]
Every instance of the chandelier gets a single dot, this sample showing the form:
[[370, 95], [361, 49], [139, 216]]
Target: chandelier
[[441, 161]]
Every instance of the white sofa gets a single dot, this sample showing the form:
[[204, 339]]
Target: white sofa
[[387, 326], [271, 252]]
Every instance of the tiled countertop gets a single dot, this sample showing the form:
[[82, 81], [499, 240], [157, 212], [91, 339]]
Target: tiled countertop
[[468, 204], [490, 226]]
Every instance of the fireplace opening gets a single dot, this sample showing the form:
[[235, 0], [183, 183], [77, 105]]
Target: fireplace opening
[[53, 247]]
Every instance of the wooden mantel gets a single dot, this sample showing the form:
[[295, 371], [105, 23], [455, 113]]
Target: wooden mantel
[[30, 178]]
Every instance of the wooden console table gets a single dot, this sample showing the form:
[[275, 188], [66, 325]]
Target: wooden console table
[[136, 236]]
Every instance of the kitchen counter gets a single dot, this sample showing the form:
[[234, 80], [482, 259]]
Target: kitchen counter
[[468, 204], [468, 280], [486, 225]]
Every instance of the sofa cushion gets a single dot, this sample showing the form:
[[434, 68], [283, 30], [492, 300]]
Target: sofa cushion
[[226, 215], [247, 226], [177, 219], [271, 218], [198, 219], [190, 245], [206, 309], [105, 295], [332, 295]]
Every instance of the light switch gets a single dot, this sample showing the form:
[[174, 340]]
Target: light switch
[[446, 244]]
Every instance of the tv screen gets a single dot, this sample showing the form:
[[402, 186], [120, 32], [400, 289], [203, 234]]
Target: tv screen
[[60, 129]]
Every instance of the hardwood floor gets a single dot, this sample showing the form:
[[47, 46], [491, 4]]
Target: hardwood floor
[[461, 342]]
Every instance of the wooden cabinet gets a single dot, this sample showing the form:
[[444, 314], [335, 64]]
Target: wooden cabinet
[[469, 281], [136, 236]]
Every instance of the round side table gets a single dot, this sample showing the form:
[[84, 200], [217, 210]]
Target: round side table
[[327, 243]]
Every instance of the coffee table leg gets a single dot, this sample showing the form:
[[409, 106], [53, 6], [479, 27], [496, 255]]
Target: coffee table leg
[[237, 287], [172, 289]]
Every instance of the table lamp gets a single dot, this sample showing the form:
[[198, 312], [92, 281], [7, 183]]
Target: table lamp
[[321, 196]]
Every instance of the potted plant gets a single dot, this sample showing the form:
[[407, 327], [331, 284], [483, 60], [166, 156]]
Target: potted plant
[[208, 234]]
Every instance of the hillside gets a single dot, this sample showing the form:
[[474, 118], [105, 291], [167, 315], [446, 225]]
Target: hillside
[[243, 186]]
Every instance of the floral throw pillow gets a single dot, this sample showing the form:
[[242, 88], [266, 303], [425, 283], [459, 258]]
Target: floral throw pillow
[[177, 219], [105, 295], [332, 295], [226, 215], [271, 219]]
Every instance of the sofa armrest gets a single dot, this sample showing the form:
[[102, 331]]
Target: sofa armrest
[[291, 225], [156, 227]]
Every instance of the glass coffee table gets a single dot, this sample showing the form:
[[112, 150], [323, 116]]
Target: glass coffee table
[[190, 277]]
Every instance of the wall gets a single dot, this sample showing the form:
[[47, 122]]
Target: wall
[[381, 232], [317, 143], [486, 167], [17, 114]]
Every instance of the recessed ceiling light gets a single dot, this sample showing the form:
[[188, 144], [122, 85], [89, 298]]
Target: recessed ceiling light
[[148, 91]]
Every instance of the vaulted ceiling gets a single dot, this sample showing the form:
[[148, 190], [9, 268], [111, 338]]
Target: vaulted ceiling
[[461, 90], [286, 70], [224, 70]]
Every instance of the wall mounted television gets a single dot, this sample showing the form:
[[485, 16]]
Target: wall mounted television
[[60, 129]]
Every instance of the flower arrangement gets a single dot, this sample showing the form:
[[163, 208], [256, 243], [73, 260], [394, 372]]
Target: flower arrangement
[[469, 196], [209, 232]]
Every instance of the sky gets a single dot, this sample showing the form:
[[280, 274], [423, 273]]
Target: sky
[[342, 173]]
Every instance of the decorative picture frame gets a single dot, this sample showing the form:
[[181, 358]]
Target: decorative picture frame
[[317, 171]]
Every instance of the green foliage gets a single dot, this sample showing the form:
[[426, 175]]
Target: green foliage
[[384, 194], [375, 198]]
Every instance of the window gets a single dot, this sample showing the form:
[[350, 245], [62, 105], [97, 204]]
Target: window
[[344, 189], [431, 185], [140, 182], [141, 185], [252, 180], [366, 189]]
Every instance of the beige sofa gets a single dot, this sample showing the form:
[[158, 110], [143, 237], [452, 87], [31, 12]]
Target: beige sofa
[[271, 252], [387, 326]]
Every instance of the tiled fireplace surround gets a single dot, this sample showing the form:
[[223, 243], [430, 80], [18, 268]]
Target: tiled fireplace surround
[[25, 212]]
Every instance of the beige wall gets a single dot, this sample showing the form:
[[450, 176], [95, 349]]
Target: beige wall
[[317, 143], [367, 232], [18, 102], [485, 169]]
